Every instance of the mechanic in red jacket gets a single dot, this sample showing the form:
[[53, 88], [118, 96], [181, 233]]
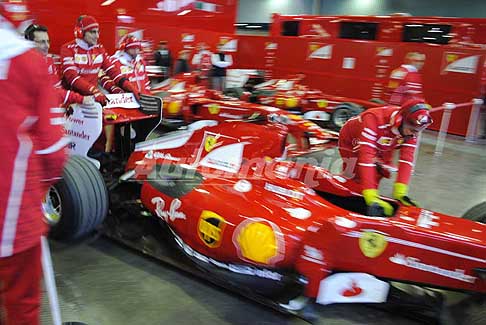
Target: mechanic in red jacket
[[131, 64], [82, 60], [32, 150], [40, 36], [367, 142], [405, 82]]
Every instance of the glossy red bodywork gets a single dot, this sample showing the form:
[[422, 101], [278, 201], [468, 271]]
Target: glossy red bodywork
[[419, 246], [291, 94]]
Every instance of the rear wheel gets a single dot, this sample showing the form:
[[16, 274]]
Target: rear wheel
[[342, 113], [77, 204], [476, 213], [340, 116]]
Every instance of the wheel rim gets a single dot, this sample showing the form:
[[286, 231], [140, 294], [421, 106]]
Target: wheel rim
[[52, 206], [341, 116]]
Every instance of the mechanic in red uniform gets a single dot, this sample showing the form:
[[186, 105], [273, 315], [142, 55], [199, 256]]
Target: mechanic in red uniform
[[40, 36], [32, 154], [368, 141], [131, 64], [405, 82], [82, 60]]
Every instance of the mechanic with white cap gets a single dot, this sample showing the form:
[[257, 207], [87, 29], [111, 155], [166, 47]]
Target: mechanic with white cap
[[131, 64], [367, 142], [32, 150]]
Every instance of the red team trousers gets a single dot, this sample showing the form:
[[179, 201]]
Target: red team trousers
[[20, 276]]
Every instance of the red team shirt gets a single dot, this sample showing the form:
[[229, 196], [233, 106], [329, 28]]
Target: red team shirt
[[405, 83], [32, 145], [65, 97], [371, 136], [130, 68], [81, 65]]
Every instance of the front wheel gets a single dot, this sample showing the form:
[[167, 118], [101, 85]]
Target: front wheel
[[77, 204]]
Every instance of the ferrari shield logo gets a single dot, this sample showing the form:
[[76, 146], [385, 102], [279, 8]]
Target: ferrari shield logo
[[210, 228], [322, 103], [372, 244], [213, 109], [210, 143]]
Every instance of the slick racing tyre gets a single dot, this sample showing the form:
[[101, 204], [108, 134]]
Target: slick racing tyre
[[77, 204], [342, 113], [476, 213]]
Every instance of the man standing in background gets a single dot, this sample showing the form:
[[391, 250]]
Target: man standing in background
[[163, 59], [221, 62], [405, 82]]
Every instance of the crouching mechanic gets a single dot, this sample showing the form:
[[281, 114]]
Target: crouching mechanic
[[367, 142], [40, 36], [131, 64], [82, 60]]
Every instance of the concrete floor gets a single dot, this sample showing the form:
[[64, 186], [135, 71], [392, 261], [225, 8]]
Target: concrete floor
[[103, 283]]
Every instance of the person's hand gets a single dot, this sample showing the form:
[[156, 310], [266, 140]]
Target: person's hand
[[99, 97], [89, 100], [400, 192], [372, 198], [130, 88]]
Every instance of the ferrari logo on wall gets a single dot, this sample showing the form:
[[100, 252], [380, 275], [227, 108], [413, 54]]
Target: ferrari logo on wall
[[210, 228], [372, 244], [319, 51], [459, 63]]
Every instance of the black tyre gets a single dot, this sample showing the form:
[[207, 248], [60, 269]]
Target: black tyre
[[342, 113], [476, 213], [78, 203]]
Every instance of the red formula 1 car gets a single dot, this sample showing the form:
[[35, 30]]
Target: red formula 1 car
[[186, 101], [225, 199], [289, 94]]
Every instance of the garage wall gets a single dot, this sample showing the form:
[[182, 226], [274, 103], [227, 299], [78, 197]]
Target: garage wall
[[454, 8], [259, 11]]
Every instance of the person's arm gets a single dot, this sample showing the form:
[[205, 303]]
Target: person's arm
[[70, 73], [406, 161], [216, 61], [367, 152], [196, 59], [49, 139], [367, 170], [146, 80], [112, 69], [405, 169], [229, 59]]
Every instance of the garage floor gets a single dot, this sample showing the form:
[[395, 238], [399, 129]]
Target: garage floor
[[103, 283]]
